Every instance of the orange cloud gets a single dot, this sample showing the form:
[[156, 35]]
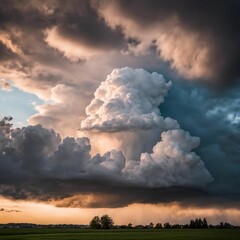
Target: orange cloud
[[73, 50]]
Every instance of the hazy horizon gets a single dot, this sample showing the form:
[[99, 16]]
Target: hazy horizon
[[127, 108]]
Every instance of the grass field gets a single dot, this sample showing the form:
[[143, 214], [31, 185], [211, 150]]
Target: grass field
[[128, 234]]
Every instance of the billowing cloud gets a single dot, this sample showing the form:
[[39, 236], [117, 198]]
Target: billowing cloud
[[214, 119], [72, 50], [76, 26], [128, 99], [61, 113], [33, 155], [172, 163], [194, 37], [198, 39], [187, 51]]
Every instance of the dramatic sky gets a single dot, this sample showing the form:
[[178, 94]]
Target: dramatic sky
[[124, 107]]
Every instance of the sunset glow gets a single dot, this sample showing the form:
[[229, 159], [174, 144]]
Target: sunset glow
[[127, 108]]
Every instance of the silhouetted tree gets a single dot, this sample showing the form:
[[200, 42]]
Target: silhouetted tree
[[139, 226], [224, 225], [123, 226], [129, 225], [198, 223], [106, 222], [177, 226], [95, 223], [158, 225], [151, 225], [205, 223], [185, 226], [167, 225], [192, 224]]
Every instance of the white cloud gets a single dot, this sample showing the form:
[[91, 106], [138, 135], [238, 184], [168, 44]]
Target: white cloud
[[128, 100], [171, 163], [125, 113]]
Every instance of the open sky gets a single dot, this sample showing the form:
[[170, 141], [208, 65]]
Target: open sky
[[124, 107]]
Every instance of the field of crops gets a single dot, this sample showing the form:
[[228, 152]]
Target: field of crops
[[128, 234]]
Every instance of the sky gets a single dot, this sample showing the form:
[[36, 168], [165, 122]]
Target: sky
[[129, 108]]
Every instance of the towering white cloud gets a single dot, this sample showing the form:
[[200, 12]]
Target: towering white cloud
[[171, 163], [128, 100], [140, 147]]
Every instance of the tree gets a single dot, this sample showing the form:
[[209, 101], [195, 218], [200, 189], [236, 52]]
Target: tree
[[106, 222], [129, 225], [158, 225], [192, 224], [167, 225], [151, 225], [95, 223], [205, 223], [200, 223]]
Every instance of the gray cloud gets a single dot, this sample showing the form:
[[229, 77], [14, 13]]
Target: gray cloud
[[215, 121], [204, 27], [203, 36], [77, 22], [37, 164], [9, 210], [202, 43], [128, 99]]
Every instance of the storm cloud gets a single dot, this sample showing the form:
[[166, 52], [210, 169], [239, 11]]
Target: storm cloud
[[34, 154], [198, 38], [62, 52]]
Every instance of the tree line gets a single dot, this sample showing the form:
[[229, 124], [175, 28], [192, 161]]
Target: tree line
[[106, 222]]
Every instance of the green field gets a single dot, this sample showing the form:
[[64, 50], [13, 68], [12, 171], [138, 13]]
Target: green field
[[128, 234]]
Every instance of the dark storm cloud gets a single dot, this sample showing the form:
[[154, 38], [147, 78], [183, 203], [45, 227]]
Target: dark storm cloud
[[76, 20], [214, 117], [30, 166], [216, 23], [28, 60], [23, 14], [37, 165], [6, 53]]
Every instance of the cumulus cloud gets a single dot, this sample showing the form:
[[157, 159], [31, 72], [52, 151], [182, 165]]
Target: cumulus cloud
[[197, 38], [171, 163], [33, 155], [125, 112], [128, 99], [61, 113]]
